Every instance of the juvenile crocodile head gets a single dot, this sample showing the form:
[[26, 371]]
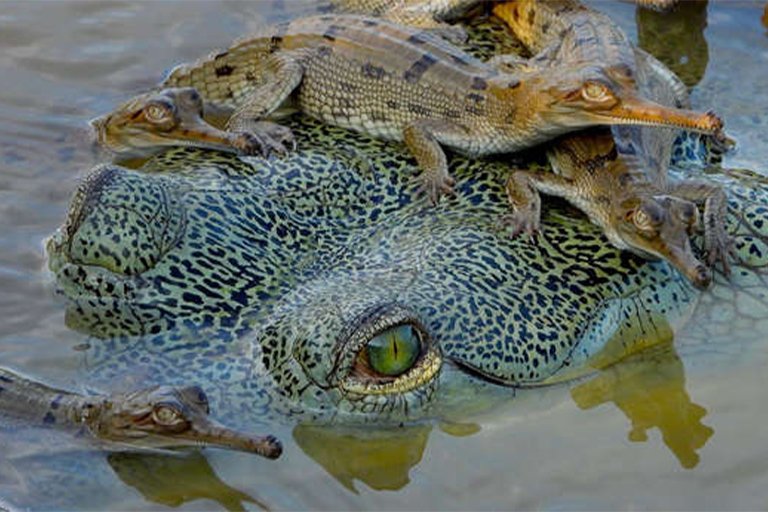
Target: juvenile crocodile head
[[169, 117], [660, 227], [167, 417]]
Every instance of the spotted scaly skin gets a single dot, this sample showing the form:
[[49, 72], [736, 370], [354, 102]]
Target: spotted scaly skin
[[265, 280], [398, 83]]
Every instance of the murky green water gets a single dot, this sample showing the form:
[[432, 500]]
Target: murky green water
[[680, 430]]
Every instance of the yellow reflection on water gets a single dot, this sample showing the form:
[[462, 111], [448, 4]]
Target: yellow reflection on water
[[649, 388], [172, 480], [381, 460]]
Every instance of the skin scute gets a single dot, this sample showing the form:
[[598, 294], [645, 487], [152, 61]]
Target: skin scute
[[265, 280], [400, 83], [619, 178]]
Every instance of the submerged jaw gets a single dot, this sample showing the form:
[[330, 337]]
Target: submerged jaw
[[637, 111], [201, 432], [209, 433]]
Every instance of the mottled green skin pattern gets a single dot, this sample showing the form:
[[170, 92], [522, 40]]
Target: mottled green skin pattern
[[248, 278]]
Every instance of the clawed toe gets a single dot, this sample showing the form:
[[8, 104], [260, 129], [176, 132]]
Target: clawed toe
[[517, 223], [265, 145], [722, 251], [434, 189]]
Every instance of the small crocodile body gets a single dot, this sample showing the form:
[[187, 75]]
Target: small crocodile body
[[618, 179], [400, 83]]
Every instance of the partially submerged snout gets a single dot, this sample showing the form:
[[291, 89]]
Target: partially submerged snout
[[169, 417]]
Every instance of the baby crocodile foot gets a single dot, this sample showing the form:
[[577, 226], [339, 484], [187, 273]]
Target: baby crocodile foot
[[720, 247], [437, 185], [518, 222], [264, 139]]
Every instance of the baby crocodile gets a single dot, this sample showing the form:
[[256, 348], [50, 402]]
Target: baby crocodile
[[618, 180], [153, 417], [397, 83]]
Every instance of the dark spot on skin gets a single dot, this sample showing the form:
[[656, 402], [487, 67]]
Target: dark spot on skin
[[250, 76], [419, 67], [392, 104], [516, 13], [477, 98], [326, 18], [479, 84], [582, 41], [545, 28], [275, 42], [418, 109], [416, 39], [531, 16], [451, 114], [56, 402], [370, 23], [3, 378], [230, 94], [371, 71], [514, 84], [459, 60], [324, 51], [224, 70], [331, 31], [49, 419], [475, 110], [220, 55], [348, 87]]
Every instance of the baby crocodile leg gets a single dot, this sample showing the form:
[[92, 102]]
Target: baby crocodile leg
[[717, 242], [423, 138], [283, 74], [523, 189]]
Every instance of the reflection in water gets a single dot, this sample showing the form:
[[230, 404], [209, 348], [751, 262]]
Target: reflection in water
[[649, 388], [765, 16], [173, 480], [676, 38], [381, 460]]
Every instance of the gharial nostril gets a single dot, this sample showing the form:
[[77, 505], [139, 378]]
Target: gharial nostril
[[703, 277]]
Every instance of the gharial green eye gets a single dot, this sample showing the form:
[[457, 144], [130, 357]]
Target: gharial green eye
[[394, 351]]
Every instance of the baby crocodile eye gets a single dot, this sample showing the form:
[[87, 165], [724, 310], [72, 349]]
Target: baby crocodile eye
[[166, 414], [157, 112], [394, 351], [594, 91]]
